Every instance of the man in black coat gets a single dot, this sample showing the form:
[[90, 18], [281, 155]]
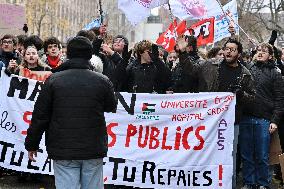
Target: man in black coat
[[70, 110], [148, 73], [226, 75]]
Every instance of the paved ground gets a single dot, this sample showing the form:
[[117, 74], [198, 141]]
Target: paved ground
[[10, 182]]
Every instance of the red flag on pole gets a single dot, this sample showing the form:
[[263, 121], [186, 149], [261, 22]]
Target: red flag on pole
[[203, 31], [168, 39]]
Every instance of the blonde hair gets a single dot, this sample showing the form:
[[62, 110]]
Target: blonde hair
[[24, 63]]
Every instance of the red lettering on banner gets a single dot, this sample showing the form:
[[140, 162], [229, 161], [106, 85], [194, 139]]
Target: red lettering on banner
[[178, 137], [229, 98], [131, 131], [199, 137], [217, 100], [153, 135], [187, 117], [144, 144], [185, 138], [184, 104], [111, 134], [164, 146], [154, 138], [27, 120]]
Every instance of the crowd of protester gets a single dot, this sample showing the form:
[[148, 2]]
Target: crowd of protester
[[255, 75]]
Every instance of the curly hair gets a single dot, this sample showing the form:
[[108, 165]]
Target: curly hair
[[141, 46], [51, 40], [232, 40]]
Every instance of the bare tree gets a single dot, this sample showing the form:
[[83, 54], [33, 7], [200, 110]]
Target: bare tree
[[260, 17], [39, 13]]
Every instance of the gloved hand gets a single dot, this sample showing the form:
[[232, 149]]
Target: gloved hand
[[155, 53], [237, 89], [273, 37], [126, 55], [97, 43]]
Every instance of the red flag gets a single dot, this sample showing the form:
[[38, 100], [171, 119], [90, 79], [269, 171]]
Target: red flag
[[203, 31], [168, 39], [181, 28]]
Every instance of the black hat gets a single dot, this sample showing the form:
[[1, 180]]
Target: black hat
[[79, 47], [122, 37]]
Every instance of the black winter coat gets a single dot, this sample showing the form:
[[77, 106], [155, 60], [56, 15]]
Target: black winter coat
[[184, 81], [5, 57], [148, 78], [70, 109], [115, 70], [207, 75], [269, 101]]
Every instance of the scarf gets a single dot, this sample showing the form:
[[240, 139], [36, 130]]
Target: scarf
[[53, 61]]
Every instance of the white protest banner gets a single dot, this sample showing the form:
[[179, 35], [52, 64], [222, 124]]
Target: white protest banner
[[137, 10], [17, 96], [194, 9], [221, 21], [155, 140]]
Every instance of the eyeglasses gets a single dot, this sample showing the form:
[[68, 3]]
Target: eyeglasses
[[118, 40], [7, 42], [230, 49]]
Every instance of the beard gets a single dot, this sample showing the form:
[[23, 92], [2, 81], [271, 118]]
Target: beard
[[231, 60]]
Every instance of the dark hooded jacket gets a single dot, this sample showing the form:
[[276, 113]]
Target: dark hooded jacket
[[269, 100], [147, 78], [184, 81], [207, 75], [70, 109]]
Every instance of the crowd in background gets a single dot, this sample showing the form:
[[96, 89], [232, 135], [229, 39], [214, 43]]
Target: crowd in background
[[255, 75]]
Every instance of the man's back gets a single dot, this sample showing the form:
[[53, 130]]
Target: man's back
[[70, 108], [79, 99]]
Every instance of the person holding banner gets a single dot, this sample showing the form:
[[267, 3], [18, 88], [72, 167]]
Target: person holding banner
[[262, 117], [31, 61], [225, 75], [70, 110], [7, 51]]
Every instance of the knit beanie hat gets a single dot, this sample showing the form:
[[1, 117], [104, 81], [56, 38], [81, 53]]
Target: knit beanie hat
[[79, 47]]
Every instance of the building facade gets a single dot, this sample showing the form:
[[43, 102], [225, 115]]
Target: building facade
[[59, 18], [64, 18]]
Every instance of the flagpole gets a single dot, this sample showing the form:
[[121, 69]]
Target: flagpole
[[231, 19], [172, 20], [101, 11]]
